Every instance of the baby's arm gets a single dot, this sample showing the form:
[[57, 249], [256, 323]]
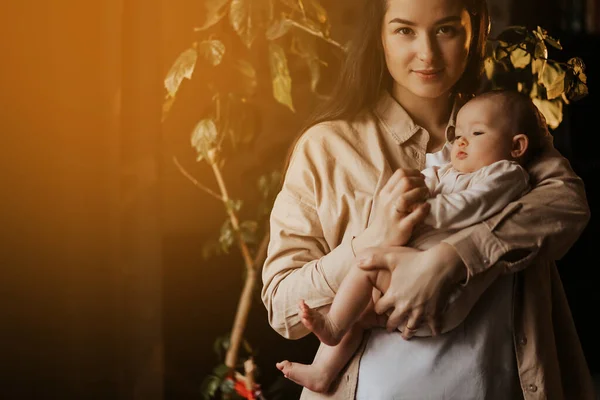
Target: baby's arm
[[501, 183]]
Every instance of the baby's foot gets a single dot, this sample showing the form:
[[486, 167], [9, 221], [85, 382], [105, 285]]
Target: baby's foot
[[319, 324], [308, 376]]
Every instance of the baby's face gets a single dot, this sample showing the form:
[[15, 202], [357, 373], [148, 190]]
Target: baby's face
[[482, 136]]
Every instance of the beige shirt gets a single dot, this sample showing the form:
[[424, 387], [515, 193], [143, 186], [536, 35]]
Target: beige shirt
[[335, 174]]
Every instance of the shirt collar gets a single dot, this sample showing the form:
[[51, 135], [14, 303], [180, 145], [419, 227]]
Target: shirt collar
[[400, 125]]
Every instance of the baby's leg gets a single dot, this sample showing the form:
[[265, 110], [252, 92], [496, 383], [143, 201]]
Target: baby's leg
[[350, 301], [327, 364]]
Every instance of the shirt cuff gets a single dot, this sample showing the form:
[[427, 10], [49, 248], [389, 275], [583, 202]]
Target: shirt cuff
[[478, 248], [337, 263]]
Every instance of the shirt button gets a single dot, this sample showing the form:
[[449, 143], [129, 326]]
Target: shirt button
[[532, 388]]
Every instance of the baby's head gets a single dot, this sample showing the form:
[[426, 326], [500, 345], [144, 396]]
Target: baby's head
[[494, 126]]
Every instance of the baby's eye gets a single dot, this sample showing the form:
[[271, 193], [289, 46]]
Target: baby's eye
[[477, 133], [404, 31], [456, 137]]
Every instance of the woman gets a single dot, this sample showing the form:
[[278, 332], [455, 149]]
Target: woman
[[353, 177]]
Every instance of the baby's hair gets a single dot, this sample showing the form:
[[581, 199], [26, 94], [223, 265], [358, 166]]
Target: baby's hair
[[525, 117]]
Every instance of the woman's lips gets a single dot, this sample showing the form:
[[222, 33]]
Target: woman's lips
[[428, 74]]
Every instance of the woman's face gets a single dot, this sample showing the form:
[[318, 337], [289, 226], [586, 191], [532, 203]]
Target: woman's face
[[426, 45]]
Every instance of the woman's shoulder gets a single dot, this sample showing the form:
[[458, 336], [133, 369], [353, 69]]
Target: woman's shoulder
[[334, 137]]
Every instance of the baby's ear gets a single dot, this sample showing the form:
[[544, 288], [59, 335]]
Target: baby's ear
[[520, 143]]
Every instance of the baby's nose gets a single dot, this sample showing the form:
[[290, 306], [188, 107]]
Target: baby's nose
[[462, 142]]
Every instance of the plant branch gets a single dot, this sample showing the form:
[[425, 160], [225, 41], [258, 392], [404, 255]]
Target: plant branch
[[243, 309], [314, 33], [195, 181], [261, 254]]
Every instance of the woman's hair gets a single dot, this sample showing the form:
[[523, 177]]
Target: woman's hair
[[365, 75]]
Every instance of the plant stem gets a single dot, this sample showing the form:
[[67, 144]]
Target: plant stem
[[245, 302], [315, 33], [195, 181]]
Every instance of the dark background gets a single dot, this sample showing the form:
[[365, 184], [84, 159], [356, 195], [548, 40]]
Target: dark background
[[104, 292]]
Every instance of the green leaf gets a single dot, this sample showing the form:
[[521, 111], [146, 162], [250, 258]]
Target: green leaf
[[501, 53], [541, 51], [221, 345], [209, 387], [537, 67], [248, 231], [535, 91], [215, 11], [513, 35], [234, 205], [204, 138], [576, 65], [548, 39], [221, 370], [552, 111], [282, 81], [227, 238], [278, 29], [183, 67], [212, 50], [227, 386], [166, 108], [489, 67], [248, 17], [249, 79], [520, 58], [553, 79]]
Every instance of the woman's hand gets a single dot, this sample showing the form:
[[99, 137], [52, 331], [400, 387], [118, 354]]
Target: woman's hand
[[420, 285], [398, 208]]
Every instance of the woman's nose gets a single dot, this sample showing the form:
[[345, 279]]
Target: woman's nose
[[426, 50]]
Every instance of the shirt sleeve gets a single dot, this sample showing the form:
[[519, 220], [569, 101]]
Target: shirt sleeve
[[432, 178], [300, 265], [490, 190], [545, 222]]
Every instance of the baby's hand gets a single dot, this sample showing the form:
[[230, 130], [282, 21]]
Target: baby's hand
[[370, 319]]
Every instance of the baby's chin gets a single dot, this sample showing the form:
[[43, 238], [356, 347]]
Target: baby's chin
[[463, 166]]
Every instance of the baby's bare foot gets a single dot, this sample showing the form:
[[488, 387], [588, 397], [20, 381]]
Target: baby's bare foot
[[308, 376], [319, 324]]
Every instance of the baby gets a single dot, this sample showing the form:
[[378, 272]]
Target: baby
[[486, 173]]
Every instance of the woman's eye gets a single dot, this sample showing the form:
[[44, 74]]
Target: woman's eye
[[447, 30], [404, 31]]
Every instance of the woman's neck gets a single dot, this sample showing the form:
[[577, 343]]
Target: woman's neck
[[432, 114]]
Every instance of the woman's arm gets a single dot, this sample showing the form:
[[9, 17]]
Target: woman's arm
[[543, 223], [302, 264]]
